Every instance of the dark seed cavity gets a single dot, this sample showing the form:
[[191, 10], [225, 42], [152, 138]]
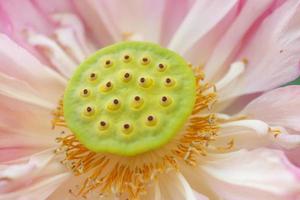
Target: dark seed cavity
[[164, 98], [126, 126], [85, 91], [127, 75], [89, 109], [137, 98], [142, 80], [150, 118], [168, 80], [116, 101], [92, 75], [102, 123], [108, 84]]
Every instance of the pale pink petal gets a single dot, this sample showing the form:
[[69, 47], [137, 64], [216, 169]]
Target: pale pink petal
[[20, 90], [279, 107], [199, 22], [38, 191], [19, 19], [73, 22], [56, 6], [233, 37], [272, 52], [18, 63], [14, 145], [174, 186], [25, 118], [19, 176], [293, 156], [14, 22], [117, 19], [103, 31], [252, 134], [17, 169], [260, 174], [174, 13]]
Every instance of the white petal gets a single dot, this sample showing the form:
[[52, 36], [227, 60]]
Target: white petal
[[174, 186], [259, 174]]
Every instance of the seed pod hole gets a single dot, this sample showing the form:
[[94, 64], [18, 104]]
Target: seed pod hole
[[126, 76], [127, 128], [165, 101], [161, 67], [126, 58], [85, 92], [114, 104], [93, 76], [145, 82], [108, 63], [151, 120], [169, 82], [106, 86], [145, 60], [137, 101], [88, 111], [103, 125]]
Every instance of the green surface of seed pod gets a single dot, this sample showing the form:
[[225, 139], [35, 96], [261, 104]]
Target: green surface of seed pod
[[110, 118]]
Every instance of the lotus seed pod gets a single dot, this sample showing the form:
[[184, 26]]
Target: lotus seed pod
[[129, 98]]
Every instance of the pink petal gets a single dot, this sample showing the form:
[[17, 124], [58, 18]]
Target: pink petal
[[174, 13], [39, 191], [25, 118], [232, 38], [104, 32], [273, 52], [279, 107], [293, 156], [199, 22], [115, 18], [19, 19], [260, 174], [15, 22], [14, 145], [56, 6], [17, 89], [18, 63], [19, 177]]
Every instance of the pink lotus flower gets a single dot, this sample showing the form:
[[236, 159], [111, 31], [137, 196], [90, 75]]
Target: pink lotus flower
[[247, 50]]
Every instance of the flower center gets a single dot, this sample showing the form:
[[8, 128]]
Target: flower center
[[129, 98]]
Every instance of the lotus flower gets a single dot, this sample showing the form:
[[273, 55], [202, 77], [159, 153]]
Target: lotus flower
[[241, 141]]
